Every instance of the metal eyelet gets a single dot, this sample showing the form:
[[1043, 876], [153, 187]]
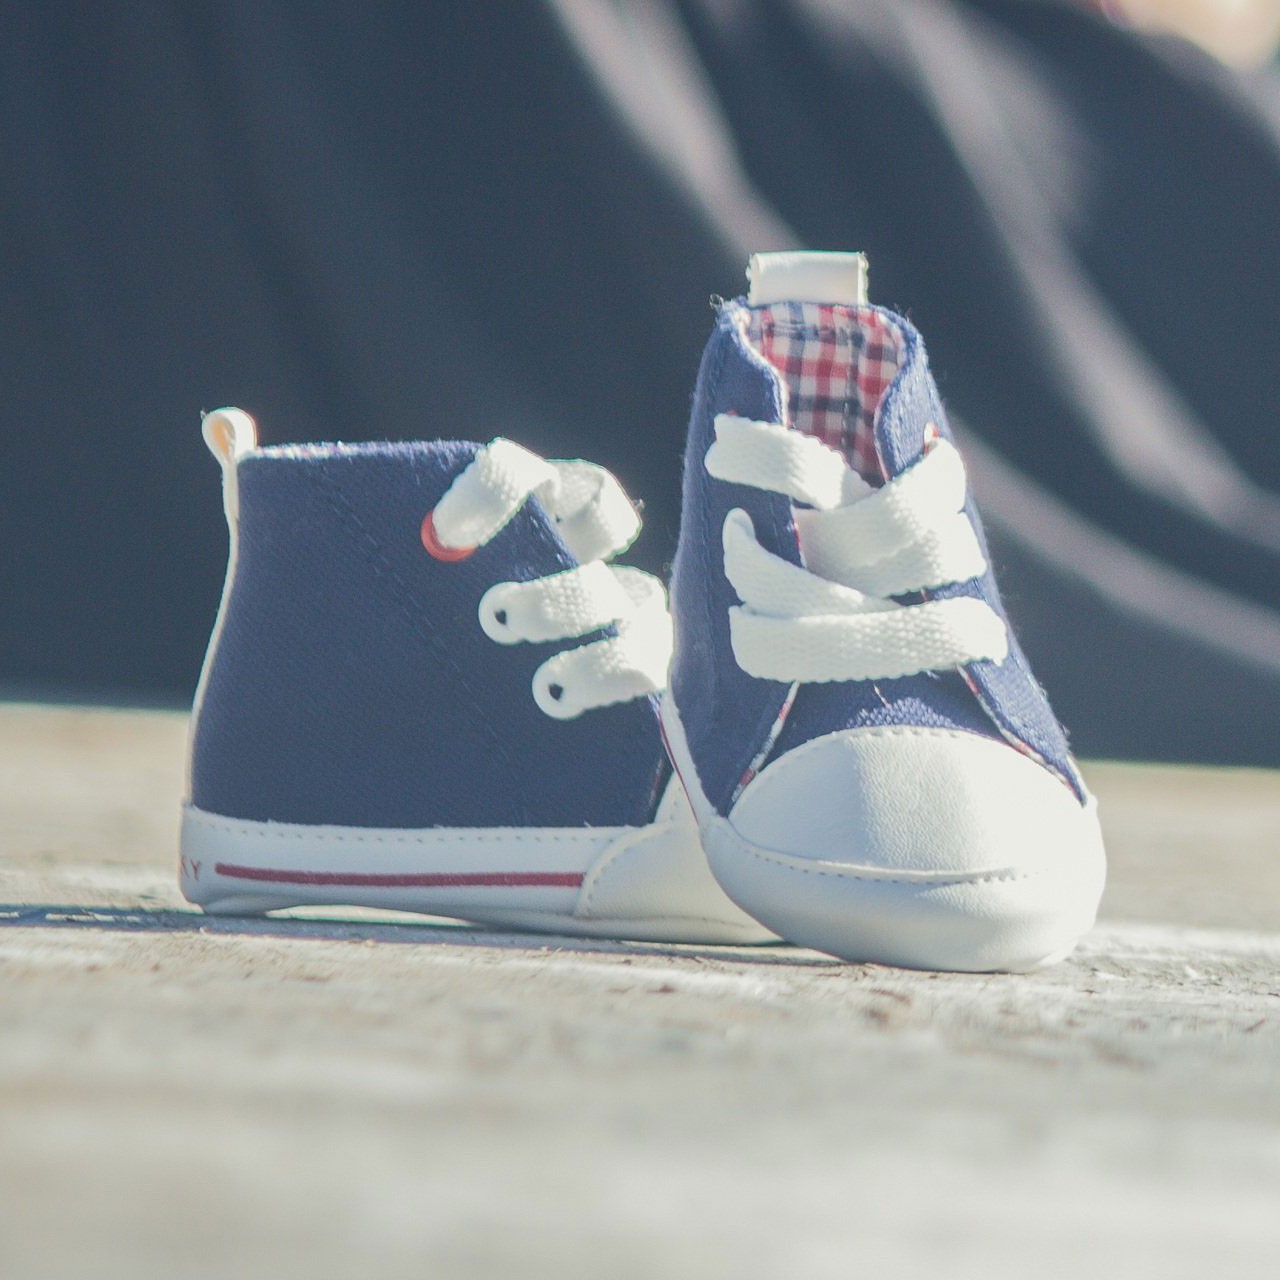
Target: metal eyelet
[[431, 542]]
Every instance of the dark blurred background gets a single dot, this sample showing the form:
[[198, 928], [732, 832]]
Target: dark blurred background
[[419, 220]]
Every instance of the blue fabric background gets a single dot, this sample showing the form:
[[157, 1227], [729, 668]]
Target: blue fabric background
[[409, 222]]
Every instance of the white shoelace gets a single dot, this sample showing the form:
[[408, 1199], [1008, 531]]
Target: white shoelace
[[833, 619], [596, 520]]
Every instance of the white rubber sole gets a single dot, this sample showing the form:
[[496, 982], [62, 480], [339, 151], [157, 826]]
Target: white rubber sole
[[645, 883], [1009, 918]]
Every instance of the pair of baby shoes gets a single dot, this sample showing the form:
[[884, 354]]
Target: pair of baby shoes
[[430, 689]]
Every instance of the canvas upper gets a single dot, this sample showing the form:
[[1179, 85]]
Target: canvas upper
[[858, 377], [350, 684]]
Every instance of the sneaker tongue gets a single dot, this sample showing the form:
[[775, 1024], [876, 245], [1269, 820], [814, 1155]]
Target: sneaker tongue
[[839, 279], [808, 316]]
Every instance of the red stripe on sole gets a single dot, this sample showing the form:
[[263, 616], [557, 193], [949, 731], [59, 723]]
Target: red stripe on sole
[[435, 880]]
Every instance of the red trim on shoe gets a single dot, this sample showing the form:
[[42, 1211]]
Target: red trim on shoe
[[431, 541], [431, 880]]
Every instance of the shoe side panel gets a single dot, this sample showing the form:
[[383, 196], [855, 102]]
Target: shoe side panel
[[352, 684], [728, 715], [1008, 691]]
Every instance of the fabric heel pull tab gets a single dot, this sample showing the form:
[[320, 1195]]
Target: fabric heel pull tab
[[835, 278], [230, 434]]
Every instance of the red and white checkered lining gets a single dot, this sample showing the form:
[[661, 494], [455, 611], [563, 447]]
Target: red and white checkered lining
[[837, 363]]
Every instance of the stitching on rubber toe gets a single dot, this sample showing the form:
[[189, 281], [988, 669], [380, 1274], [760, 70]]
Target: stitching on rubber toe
[[812, 867]]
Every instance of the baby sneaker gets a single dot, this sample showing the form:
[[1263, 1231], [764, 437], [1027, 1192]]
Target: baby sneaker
[[875, 770], [427, 690]]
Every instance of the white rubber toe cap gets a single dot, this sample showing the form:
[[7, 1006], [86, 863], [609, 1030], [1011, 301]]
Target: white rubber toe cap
[[920, 847]]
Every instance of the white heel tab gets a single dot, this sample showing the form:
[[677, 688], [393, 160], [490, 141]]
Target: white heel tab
[[230, 434], [836, 278]]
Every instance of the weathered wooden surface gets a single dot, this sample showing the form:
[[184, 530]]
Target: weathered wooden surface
[[180, 1096]]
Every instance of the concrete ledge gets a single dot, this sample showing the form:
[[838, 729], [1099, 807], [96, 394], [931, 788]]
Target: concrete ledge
[[360, 1094]]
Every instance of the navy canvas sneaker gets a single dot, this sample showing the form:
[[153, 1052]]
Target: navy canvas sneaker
[[427, 690], [874, 768]]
